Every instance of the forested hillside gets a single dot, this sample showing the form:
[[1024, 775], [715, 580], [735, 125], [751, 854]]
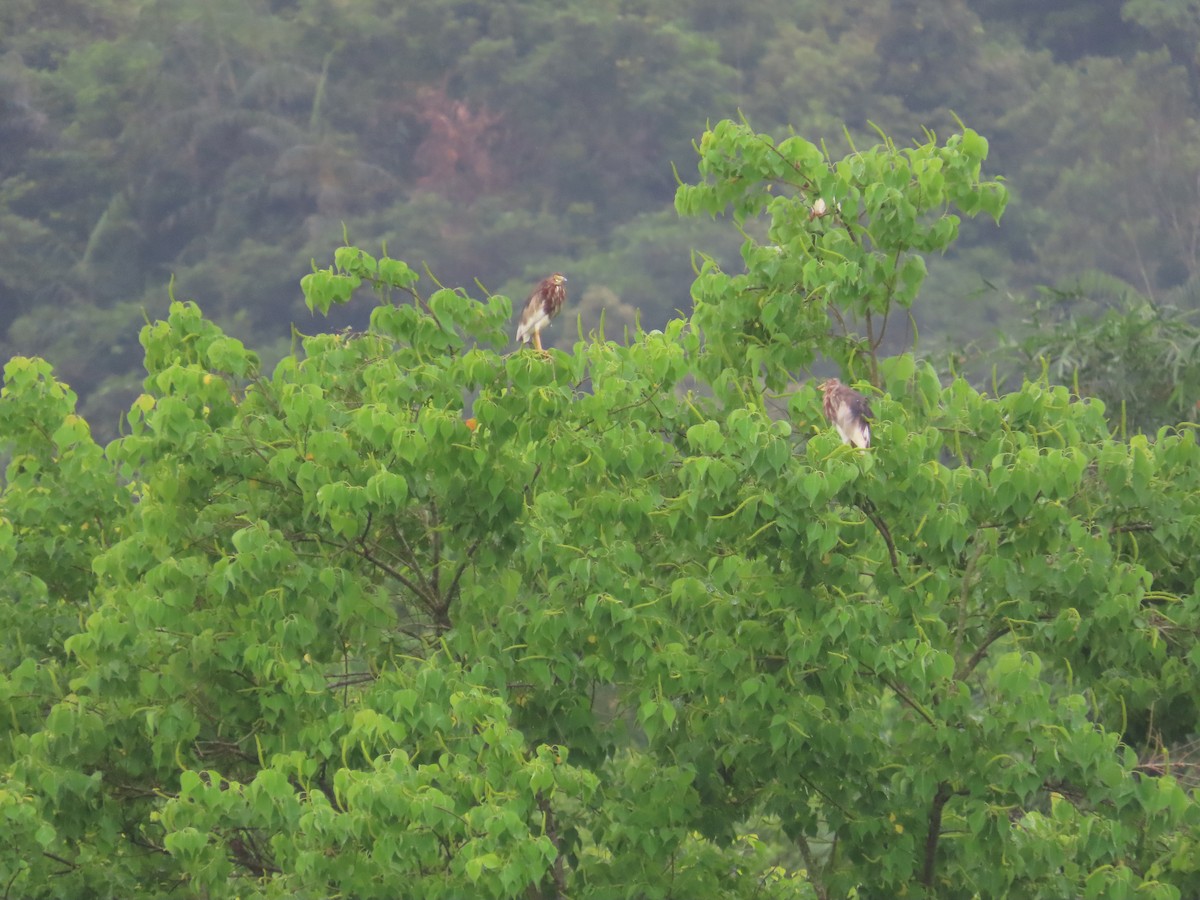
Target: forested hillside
[[225, 145]]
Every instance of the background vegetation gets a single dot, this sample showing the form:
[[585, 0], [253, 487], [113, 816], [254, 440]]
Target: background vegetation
[[226, 144]]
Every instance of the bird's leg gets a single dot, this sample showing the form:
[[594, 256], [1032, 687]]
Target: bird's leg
[[537, 342]]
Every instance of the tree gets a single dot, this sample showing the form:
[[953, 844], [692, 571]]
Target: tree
[[1143, 229], [408, 615], [842, 240]]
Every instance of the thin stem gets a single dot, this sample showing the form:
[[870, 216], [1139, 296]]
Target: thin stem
[[981, 652], [868, 509], [964, 593]]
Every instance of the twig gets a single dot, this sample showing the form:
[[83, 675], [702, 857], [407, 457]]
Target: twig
[[410, 559], [1132, 526], [58, 859], [981, 651], [435, 531], [907, 700], [395, 573], [868, 509], [452, 592]]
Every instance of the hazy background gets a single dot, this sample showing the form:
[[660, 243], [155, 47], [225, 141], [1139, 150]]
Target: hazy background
[[226, 144]]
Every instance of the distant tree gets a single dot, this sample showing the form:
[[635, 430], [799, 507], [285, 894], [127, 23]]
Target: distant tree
[[1123, 157], [1176, 24], [640, 78], [1141, 357], [1071, 29]]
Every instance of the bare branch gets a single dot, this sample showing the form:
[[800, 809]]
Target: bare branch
[[907, 700]]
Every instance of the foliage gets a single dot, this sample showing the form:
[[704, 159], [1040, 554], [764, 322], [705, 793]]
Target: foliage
[[844, 240], [408, 615], [1140, 357]]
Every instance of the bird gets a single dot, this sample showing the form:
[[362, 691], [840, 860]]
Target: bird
[[849, 411], [544, 304]]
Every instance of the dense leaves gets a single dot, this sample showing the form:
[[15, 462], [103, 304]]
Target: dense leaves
[[843, 239], [402, 614]]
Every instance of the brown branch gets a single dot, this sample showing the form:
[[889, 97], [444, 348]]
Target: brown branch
[[943, 794], [907, 700], [205, 749], [430, 603], [868, 509], [435, 532], [837, 315], [807, 186], [247, 853], [147, 845], [428, 600], [981, 651], [410, 560], [811, 865], [58, 859], [452, 592], [532, 479], [349, 680], [882, 329], [560, 876], [648, 398], [964, 594]]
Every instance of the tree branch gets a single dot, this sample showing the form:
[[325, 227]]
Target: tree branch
[[868, 509], [943, 794], [981, 651], [560, 876], [435, 532], [58, 859], [410, 560], [452, 592], [964, 594], [430, 603], [907, 700], [811, 865]]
